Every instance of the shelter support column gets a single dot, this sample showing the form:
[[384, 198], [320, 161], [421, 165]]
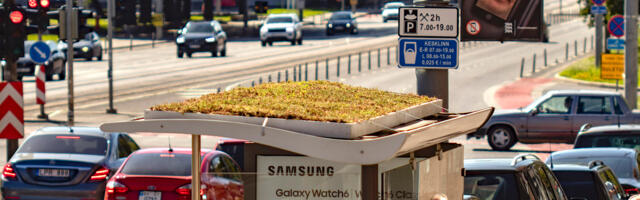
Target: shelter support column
[[369, 182]]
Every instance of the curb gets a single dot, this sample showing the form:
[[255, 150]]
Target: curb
[[140, 45], [589, 83]]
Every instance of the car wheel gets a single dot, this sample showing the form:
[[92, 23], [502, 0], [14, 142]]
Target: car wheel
[[384, 20], [354, 31], [189, 54], [501, 138], [89, 58], [100, 56], [300, 41], [63, 73], [270, 43], [293, 42], [329, 32], [48, 73], [264, 43], [224, 50], [180, 54]]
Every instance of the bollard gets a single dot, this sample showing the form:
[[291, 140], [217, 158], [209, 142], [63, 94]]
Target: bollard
[[591, 42], [316, 70], [545, 57], [566, 52], [378, 57], [522, 68], [388, 56], [584, 48], [295, 74], [153, 40], [300, 72], [369, 61], [338, 68], [306, 70], [533, 65], [327, 69], [575, 48], [359, 61], [260, 80], [219, 90], [349, 65], [130, 41], [253, 83], [286, 75], [278, 77], [269, 78]]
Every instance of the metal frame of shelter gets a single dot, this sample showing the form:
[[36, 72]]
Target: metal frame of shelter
[[365, 151]]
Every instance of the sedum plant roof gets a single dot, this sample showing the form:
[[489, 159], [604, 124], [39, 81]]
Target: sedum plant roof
[[313, 100]]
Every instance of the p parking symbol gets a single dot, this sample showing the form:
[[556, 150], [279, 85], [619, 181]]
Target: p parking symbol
[[410, 27]]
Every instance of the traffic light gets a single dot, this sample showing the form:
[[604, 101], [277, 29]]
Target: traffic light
[[261, 7], [37, 14], [14, 32], [3, 30]]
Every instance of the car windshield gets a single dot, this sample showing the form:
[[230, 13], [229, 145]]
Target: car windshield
[[158, 164], [199, 28], [621, 166], [393, 6], [577, 184], [341, 16], [65, 144], [628, 140], [491, 186], [274, 20]]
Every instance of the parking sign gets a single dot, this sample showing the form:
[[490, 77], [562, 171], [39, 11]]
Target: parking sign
[[428, 22]]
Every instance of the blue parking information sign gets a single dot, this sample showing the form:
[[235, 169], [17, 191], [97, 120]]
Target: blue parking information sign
[[428, 53], [39, 52]]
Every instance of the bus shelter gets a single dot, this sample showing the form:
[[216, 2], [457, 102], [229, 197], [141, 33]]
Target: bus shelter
[[410, 161]]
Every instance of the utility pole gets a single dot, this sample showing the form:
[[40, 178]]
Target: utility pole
[[70, 39], [433, 82], [11, 63], [599, 38], [111, 11], [631, 52]]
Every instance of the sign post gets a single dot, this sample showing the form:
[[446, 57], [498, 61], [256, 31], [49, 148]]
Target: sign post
[[40, 53], [631, 53], [429, 43], [598, 15]]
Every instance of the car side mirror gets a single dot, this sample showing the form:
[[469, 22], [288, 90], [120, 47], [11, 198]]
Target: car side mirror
[[179, 31], [533, 112]]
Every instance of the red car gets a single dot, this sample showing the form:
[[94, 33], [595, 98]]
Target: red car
[[154, 174]]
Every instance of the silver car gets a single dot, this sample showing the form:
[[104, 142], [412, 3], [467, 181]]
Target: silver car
[[555, 117], [281, 27]]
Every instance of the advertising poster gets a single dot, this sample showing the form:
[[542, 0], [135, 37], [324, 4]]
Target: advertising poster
[[295, 177], [502, 20]]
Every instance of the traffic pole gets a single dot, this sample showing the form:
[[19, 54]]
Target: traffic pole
[[110, 12], [631, 53], [599, 39], [40, 91], [70, 94]]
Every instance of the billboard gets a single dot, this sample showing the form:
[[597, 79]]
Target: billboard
[[502, 20]]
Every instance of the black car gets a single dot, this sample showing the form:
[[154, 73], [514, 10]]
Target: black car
[[65, 163], [593, 182], [623, 162], [520, 178], [87, 47], [202, 36], [55, 65], [624, 136], [342, 22]]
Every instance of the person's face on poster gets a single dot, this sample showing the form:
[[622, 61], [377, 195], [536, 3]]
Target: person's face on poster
[[499, 8]]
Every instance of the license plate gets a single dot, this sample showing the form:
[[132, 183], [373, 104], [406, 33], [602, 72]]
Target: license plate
[[340, 28], [22, 70], [150, 195], [194, 46], [53, 172]]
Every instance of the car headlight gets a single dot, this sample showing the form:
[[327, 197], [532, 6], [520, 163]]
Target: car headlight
[[62, 45], [180, 40], [264, 30], [330, 25], [85, 49], [211, 39], [348, 25], [289, 29]]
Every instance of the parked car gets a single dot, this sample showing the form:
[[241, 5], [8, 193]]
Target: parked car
[[555, 117], [342, 21], [281, 27], [87, 47], [141, 178], [523, 177], [202, 36], [55, 65], [65, 163], [623, 162], [390, 11], [593, 182], [624, 136]]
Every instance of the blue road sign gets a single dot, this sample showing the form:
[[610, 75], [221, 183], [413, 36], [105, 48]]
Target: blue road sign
[[597, 2], [428, 53], [616, 26], [615, 44], [39, 52], [598, 10]]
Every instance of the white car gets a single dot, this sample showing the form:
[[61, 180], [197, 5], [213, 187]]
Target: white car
[[390, 11], [281, 27]]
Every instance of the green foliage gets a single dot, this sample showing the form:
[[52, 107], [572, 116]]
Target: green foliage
[[586, 70], [313, 100]]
